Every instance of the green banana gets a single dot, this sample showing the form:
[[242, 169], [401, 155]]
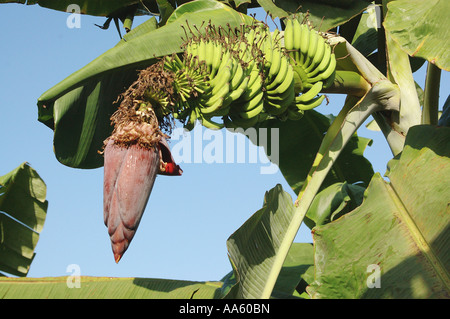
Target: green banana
[[280, 75], [249, 105], [327, 72], [304, 45], [275, 63], [238, 76], [297, 34], [288, 79], [252, 90], [313, 39], [202, 50], [323, 64], [208, 123], [217, 58], [311, 93], [254, 111], [236, 93], [278, 107], [289, 36], [217, 86], [285, 95], [318, 55], [305, 106]]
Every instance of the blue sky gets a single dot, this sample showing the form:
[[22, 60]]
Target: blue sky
[[188, 219]]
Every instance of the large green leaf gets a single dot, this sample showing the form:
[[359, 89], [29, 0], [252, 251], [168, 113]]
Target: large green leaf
[[323, 14], [83, 287], [23, 209], [402, 229], [79, 107], [421, 29]]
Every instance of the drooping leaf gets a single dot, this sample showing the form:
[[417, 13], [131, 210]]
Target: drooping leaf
[[395, 245], [253, 248], [421, 29], [23, 209], [79, 107], [83, 287]]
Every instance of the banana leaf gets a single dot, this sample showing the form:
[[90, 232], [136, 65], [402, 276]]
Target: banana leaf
[[105, 8], [402, 229], [335, 13], [253, 249], [78, 108], [84, 287], [295, 275], [23, 209], [421, 29]]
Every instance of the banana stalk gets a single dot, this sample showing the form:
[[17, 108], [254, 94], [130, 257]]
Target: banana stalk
[[348, 82], [430, 112]]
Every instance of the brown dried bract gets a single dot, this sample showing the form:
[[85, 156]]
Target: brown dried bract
[[136, 120]]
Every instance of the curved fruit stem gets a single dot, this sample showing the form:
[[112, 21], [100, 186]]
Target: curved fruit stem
[[348, 82]]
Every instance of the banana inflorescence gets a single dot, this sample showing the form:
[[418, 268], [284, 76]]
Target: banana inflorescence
[[239, 77]]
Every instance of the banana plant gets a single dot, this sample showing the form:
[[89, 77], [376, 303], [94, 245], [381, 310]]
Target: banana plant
[[225, 69]]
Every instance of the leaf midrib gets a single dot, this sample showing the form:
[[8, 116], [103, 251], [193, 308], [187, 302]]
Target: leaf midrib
[[405, 216]]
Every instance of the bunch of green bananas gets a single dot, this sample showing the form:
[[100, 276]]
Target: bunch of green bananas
[[314, 65], [248, 109], [226, 69], [242, 77]]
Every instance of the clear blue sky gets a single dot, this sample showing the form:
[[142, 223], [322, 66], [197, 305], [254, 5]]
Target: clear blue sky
[[188, 219]]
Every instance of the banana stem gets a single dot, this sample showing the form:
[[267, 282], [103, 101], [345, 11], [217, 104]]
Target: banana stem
[[348, 82], [381, 38], [431, 95]]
